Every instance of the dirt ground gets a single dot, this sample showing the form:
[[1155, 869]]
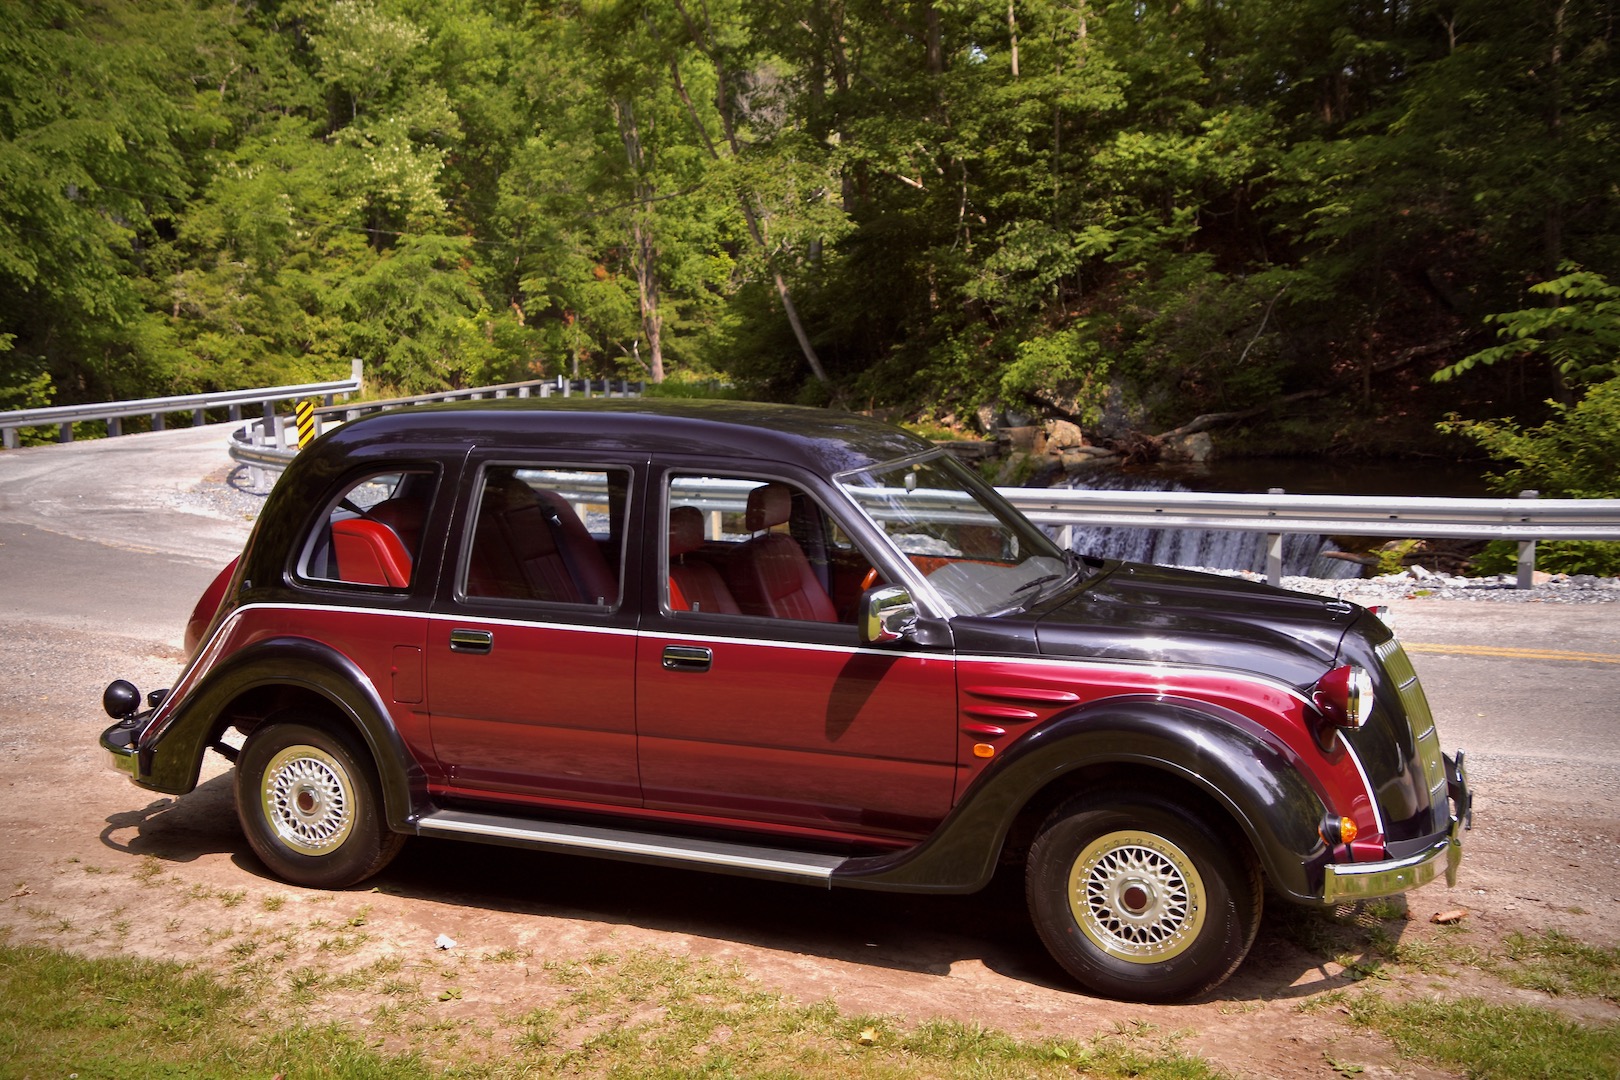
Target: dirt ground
[[88, 862]]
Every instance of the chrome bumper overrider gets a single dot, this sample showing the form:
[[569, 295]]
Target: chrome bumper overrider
[[119, 742], [1344, 882]]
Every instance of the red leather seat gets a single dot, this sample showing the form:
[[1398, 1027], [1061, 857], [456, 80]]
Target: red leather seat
[[694, 585], [593, 577], [769, 575], [370, 553], [404, 516], [530, 545]]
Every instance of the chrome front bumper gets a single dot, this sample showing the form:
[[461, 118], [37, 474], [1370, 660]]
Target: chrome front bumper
[[1346, 882]]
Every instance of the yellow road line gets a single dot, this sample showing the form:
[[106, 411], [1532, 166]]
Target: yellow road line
[[1513, 654]]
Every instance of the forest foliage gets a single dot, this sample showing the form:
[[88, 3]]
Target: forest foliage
[[1128, 213]]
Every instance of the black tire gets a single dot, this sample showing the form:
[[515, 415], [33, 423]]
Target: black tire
[[1140, 900], [310, 805]]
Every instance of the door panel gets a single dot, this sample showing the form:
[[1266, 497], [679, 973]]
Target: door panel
[[779, 720], [546, 711], [531, 654], [845, 740]]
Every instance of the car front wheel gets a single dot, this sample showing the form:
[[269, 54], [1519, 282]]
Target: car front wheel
[[309, 803], [1138, 899]]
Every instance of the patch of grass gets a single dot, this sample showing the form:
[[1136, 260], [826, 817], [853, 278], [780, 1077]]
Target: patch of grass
[[505, 956], [273, 903], [342, 944], [126, 1019], [1494, 1042], [1555, 963]]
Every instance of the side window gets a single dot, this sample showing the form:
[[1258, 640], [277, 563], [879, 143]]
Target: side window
[[750, 546], [549, 535], [371, 533]]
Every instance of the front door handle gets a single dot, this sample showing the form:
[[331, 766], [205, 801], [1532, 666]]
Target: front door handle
[[471, 641], [687, 658]]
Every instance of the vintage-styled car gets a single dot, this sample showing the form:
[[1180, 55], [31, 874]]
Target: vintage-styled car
[[791, 644]]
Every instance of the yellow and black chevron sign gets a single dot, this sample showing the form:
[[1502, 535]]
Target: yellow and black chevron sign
[[304, 413]]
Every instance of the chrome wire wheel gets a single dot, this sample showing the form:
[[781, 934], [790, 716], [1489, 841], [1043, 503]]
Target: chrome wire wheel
[[1136, 896], [308, 799]]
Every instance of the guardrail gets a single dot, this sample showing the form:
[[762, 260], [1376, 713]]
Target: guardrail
[[266, 444], [115, 412], [1525, 519]]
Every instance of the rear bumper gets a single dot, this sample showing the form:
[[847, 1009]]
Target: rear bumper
[[1346, 882]]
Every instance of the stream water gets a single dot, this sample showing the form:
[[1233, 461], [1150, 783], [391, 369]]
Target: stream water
[[1223, 549]]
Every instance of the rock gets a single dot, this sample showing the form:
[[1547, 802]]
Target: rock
[[1022, 438], [1013, 469], [1062, 435], [1196, 448]]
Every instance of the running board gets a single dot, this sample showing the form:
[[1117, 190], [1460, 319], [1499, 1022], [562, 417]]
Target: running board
[[806, 867]]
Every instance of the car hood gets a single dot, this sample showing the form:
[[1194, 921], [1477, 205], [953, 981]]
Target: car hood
[[1132, 611]]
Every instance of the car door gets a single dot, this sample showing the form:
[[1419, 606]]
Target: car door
[[531, 651], [756, 703]]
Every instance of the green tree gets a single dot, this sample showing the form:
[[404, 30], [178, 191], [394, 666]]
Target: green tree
[[97, 133]]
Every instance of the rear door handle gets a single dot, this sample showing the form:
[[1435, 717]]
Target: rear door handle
[[687, 658], [471, 641]]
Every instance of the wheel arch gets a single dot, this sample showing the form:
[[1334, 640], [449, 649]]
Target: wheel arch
[[1179, 749], [277, 676]]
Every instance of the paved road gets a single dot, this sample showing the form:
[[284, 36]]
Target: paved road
[[110, 533]]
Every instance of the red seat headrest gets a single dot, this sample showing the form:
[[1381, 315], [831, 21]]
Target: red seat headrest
[[768, 505]]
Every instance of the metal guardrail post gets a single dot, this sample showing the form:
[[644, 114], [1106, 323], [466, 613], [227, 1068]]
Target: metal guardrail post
[[1527, 553], [1274, 550]]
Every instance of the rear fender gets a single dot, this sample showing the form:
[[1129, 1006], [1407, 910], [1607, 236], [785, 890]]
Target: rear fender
[[1256, 779], [169, 759], [208, 605]]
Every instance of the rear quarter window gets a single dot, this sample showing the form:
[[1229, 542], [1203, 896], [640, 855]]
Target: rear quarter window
[[370, 533]]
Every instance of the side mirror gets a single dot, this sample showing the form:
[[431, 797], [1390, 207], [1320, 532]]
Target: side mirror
[[887, 614]]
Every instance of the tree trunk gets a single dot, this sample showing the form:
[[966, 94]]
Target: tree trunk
[[1012, 35], [643, 246], [702, 39]]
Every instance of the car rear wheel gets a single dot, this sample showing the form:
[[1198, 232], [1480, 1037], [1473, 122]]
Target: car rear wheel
[[1139, 899], [309, 803]]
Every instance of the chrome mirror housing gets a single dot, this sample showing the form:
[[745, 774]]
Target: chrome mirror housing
[[887, 614]]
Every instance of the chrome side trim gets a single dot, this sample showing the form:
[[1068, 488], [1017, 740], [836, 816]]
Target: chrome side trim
[[746, 859]]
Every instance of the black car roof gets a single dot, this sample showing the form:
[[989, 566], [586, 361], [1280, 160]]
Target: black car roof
[[824, 440]]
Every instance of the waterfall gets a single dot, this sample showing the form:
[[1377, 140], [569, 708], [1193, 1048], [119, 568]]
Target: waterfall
[[1200, 549]]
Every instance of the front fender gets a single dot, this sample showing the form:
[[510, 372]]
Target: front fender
[[169, 756], [1230, 759]]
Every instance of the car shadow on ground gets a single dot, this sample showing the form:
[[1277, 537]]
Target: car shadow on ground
[[179, 829], [1298, 951]]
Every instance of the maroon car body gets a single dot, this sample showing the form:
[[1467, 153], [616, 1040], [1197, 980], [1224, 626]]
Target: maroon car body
[[792, 644]]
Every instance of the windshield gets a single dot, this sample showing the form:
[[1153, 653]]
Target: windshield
[[980, 554]]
